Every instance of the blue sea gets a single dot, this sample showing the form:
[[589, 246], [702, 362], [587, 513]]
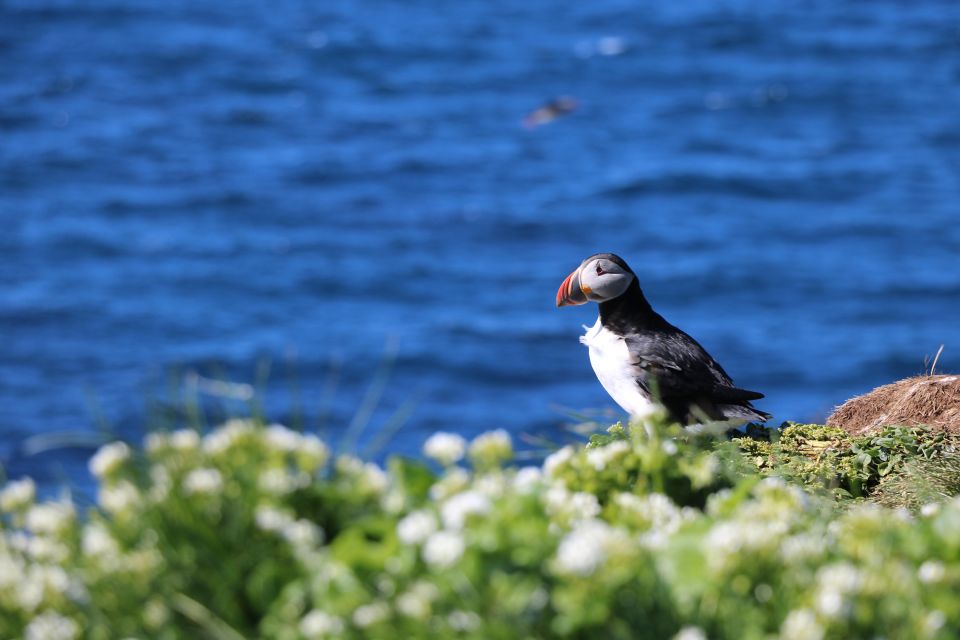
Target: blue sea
[[336, 206]]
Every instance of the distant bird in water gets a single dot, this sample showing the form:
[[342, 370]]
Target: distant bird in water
[[639, 357], [550, 111]]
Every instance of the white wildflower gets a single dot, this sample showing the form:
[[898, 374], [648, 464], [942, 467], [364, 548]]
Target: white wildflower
[[97, 541], [109, 459], [931, 571], [452, 482], [492, 447], [719, 502], [279, 481], [491, 485], [445, 448], [348, 465], [933, 622], [771, 484], [556, 459], [801, 547], [659, 511], [302, 533], [583, 550], [527, 479], [312, 453], [155, 442], [863, 517], [225, 437], [415, 527], [394, 501], [723, 540], [801, 624], [49, 518], [160, 483], [830, 602], [930, 509], [538, 600], [597, 458], [657, 508], [40, 548], [143, 561], [386, 586], [455, 511], [184, 440], [555, 498], [670, 448], [413, 606], [834, 584], [281, 438], [702, 472], [394, 565], [10, 570], [464, 621], [374, 479], [584, 505], [600, 457], [119, 497], [842, 576], [29, 593], [203, 481], [51, 626], [756, 532], [570, 507], [368, 615], [443, 549], [17, 540], [369, 477], [17, 495], [269, 518], [763, 592], [416, 601], [155, 613], [54, 579], [690, 633], [320, 624]]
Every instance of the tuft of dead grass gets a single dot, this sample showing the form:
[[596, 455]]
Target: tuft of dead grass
[[922, 481], [932, 400]]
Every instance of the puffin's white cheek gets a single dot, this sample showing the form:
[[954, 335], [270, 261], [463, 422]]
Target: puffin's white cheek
[[604, 288], [595, 292]]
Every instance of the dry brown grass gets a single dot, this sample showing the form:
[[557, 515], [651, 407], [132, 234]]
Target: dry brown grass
[[932, 400]]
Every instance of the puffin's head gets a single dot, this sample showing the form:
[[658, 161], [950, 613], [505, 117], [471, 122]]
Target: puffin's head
[[601, 277]]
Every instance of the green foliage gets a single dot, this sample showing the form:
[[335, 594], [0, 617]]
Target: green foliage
[[649, 531], [822, 458]]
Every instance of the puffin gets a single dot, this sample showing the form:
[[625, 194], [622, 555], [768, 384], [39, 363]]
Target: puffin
[[641, 359]]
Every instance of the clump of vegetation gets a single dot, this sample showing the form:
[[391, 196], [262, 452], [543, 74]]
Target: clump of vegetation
[[920, 482], [820, 457], [255, 530]]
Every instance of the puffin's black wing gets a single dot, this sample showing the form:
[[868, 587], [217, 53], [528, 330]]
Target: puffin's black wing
[[680, 368]]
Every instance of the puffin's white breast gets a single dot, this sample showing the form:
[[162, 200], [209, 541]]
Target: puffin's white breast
[[611, 362]]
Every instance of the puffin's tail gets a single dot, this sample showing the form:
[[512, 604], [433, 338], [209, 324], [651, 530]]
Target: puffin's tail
[[745, 412]]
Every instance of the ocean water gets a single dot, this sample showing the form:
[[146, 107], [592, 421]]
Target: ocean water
[[337, 203]]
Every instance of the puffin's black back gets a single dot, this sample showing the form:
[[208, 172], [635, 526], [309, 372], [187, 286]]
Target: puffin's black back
[[671, 365]]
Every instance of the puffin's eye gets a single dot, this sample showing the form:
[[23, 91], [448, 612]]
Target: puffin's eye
[[600, 270]]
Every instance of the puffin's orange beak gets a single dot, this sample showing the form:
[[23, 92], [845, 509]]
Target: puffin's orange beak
[[570, 292]]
